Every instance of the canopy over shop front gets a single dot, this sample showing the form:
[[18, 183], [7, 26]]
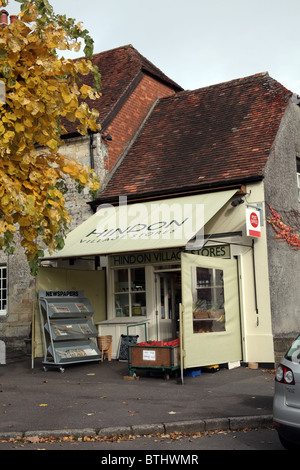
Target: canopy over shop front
[[145, 226]]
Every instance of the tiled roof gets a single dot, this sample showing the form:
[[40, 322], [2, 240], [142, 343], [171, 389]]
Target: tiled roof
[[211, 136], [119, 68]]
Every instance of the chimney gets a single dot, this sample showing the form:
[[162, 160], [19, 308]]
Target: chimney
[[3, 17], [13, 18]]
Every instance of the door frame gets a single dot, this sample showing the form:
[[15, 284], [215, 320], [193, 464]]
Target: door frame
[[211, 348], [162, 276]]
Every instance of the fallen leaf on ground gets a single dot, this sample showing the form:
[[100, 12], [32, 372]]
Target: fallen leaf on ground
[[33, 439]]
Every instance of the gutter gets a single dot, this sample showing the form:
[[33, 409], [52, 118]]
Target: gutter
[[170, 193]]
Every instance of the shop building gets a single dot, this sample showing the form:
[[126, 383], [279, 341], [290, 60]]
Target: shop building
[[179, 238]]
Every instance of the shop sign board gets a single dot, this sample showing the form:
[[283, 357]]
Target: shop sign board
[[253, 223], [163, 256], [153, 225]]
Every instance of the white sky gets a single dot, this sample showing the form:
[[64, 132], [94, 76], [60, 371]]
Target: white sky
[[197, 42]]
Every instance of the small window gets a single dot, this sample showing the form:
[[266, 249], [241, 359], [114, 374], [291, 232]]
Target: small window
[[298, 177], [3, 289], [129, 292]]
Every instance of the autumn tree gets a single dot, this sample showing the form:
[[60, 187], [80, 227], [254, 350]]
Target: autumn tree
[[286, 227], [42, 91]]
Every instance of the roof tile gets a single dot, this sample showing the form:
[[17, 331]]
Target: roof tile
[[118, 68], [216, 134]]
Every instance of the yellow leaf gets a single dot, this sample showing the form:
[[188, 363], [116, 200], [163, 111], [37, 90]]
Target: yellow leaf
[[19, 127], [66, 95], [53, 203], [83, 67], [52, 144], [24, 221], [8, 136], [28, 122], [5, 200], [84, 90]]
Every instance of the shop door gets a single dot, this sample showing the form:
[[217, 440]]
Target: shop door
[[167, 306], [210, 324]]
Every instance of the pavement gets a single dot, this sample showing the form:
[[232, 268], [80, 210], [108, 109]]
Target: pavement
[[102, 398]]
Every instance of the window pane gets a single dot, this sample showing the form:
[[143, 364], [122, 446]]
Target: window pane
[[129, 292], [208, 295], [138, 304], [121, 280], [138, 282], [122, 305], [203, 277]]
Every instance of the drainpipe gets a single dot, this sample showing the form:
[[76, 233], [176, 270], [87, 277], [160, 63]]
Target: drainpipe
[[255, 288], [92, 162]]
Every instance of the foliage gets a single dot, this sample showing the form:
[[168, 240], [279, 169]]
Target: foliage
[[284, 231], [42, 90]]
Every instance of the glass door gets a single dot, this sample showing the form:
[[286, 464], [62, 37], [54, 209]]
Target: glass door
[[167, 305]]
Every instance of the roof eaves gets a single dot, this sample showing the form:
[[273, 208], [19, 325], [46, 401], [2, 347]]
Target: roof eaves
[[161, 79], [170, 193]]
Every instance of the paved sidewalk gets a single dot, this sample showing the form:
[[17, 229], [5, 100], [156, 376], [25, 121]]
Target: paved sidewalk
[[101, 398]]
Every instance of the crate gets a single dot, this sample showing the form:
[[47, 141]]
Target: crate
[[153, 356]]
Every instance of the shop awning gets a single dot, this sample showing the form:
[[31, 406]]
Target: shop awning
[[154, 225]]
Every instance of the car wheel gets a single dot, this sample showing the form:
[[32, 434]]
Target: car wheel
[[288, 445]]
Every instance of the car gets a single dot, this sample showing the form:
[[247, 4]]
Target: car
[[286, 403]]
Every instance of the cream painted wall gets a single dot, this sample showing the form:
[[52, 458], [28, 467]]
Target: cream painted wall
[[257, 334]]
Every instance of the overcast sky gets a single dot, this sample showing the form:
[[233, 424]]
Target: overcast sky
[[197, 42]]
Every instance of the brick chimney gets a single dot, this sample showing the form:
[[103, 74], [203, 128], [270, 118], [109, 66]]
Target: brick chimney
[[3, 17]]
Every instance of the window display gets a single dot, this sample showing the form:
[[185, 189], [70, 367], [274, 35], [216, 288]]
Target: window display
[[129, 292], [208, 300]]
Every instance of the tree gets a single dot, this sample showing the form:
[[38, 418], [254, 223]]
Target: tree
[[42, 90]]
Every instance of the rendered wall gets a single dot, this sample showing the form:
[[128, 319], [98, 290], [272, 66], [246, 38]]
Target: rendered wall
[[284, 263], [256, 325]]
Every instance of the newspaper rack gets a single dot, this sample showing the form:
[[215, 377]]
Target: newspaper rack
[[69, 333]]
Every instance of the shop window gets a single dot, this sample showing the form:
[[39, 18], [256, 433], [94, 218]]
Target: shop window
[[129, 292], [3, 289], [208, 300]]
